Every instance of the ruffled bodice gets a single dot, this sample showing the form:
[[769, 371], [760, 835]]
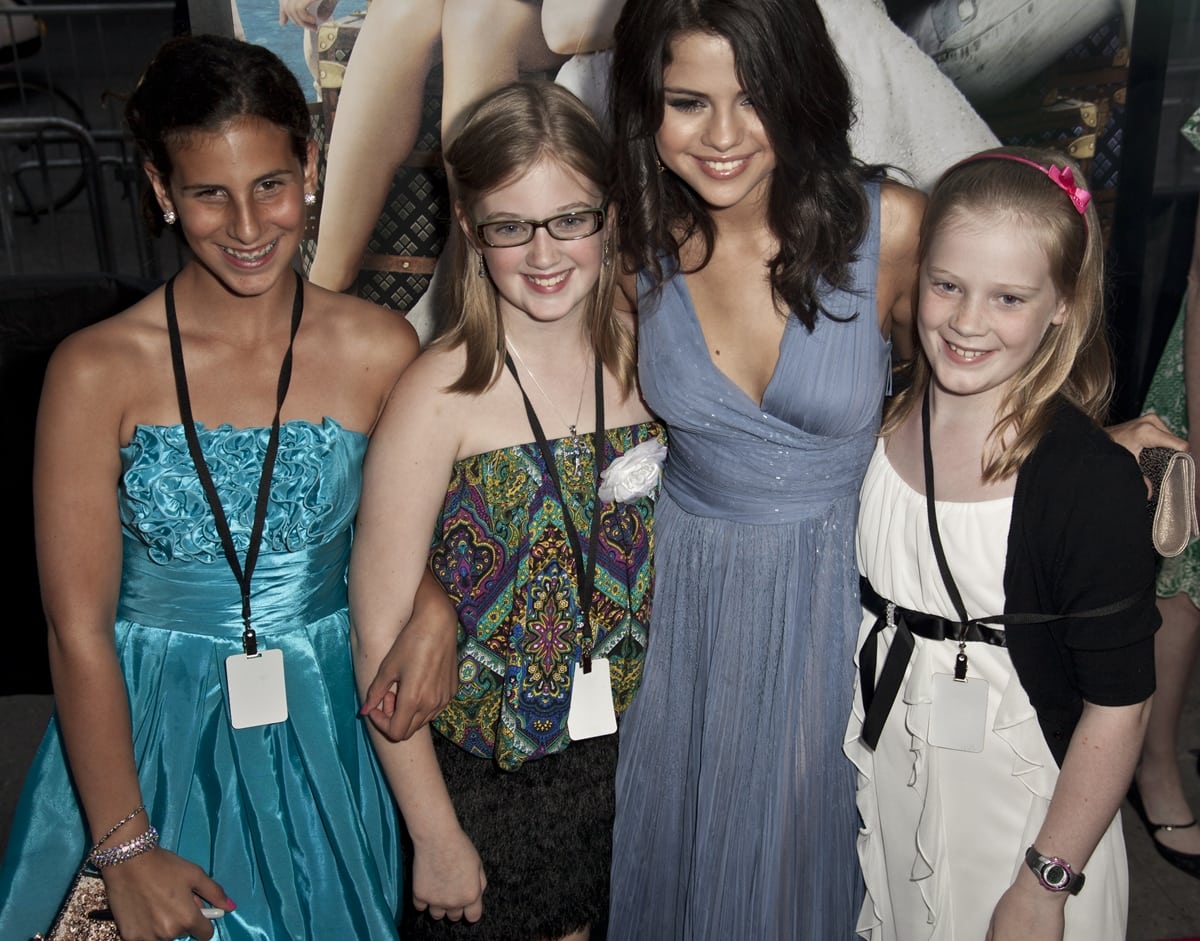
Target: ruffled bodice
[[174, 573], [314, 490]]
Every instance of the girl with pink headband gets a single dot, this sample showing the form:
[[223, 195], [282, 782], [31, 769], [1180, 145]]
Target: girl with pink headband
[[1006, 653]]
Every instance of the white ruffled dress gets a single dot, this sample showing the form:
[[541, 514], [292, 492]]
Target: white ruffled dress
[[944, 832]]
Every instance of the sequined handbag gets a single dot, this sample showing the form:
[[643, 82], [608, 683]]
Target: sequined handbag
[[1172, 476], [84, 914]]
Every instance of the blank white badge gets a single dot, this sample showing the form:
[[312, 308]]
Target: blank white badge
[[958, 714], [591, 713], [257, 694]]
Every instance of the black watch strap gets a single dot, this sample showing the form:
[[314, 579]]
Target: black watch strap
[[1053, 873]]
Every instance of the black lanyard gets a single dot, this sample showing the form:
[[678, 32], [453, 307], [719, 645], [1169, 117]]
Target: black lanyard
[[960, 662], [1014, 619], [249, 640], [878, 697], [585, 573]]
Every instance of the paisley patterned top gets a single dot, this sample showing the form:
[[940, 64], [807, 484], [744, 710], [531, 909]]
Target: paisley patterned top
[[503, 555]]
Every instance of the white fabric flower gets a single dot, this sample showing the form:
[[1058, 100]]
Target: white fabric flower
[[634, 474]]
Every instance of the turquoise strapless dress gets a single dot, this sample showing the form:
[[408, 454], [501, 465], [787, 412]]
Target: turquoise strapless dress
[[294, 820]]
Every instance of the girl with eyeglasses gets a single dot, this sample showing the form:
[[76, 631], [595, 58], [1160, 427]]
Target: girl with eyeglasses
[[520, 445]]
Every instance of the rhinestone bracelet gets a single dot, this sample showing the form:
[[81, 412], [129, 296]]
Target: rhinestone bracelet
[[140, 808], [125, 851]]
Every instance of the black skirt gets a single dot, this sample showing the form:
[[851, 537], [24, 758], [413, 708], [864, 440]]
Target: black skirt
[[544, 833]]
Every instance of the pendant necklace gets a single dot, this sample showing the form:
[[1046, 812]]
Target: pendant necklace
[[571, 448]]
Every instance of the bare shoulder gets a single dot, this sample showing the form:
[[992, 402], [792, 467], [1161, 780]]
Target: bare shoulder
[[358, 329], [427, 381], [422, 407], [901, 209], [103, 358]]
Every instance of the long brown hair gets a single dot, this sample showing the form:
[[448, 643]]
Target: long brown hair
[[816, 206], [1073, 359], [502, 136]]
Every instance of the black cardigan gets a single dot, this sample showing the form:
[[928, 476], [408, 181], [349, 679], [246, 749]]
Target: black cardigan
[[1080, 540]]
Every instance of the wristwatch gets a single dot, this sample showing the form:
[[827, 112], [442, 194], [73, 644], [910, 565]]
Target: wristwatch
[[1053, 873]]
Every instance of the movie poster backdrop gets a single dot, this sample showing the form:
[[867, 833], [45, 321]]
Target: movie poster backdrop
[[1038, 73]]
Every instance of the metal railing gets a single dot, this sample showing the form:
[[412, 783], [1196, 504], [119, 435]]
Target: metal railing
[[70, 179]]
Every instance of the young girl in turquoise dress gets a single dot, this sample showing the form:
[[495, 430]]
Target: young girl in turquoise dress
[[991, 770], [518, 443], [197, 470]]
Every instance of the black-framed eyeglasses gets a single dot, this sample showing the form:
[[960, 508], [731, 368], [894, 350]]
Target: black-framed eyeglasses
[[566, 227]]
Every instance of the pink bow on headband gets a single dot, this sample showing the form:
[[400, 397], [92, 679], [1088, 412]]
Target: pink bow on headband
[[1065, 179], [1062, 177]]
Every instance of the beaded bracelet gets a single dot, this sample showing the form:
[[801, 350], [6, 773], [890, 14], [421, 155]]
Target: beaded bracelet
[[125, 851]]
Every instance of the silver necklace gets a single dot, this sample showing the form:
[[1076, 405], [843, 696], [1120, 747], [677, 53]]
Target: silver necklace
[[572, 447], [571, 426]]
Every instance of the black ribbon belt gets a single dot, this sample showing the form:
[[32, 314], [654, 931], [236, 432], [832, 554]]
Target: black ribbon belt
[[878, 697]]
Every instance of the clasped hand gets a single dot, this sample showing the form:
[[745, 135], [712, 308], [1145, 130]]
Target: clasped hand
[[417, 676]]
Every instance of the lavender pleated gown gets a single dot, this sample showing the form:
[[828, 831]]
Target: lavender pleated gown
[[735, 805]]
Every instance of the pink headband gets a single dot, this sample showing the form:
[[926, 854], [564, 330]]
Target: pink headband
[[1062, 177]]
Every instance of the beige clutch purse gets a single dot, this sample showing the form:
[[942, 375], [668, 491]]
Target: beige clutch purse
[[84, 915], [1172, 475]]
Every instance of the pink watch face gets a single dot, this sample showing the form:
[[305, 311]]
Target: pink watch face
[[1053, 873]]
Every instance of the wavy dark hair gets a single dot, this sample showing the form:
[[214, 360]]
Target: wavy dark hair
[[817, 208], [201, 83]]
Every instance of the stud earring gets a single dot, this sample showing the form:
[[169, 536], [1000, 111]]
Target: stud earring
[[169, 216], [607, 259], [482, 267], [310, 199], [658, 163]]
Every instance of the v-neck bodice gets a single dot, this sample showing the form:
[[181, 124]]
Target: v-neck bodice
[[810, 439]]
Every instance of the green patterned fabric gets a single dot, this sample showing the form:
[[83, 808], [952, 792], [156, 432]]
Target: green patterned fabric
[[503, 555]]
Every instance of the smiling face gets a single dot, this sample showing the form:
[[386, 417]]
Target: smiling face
[[239, 195], [987, 298], [711, 135], [546, 279]]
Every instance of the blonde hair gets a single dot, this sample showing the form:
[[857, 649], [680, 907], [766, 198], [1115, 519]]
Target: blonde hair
[[501, 137], [1073, 358]]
